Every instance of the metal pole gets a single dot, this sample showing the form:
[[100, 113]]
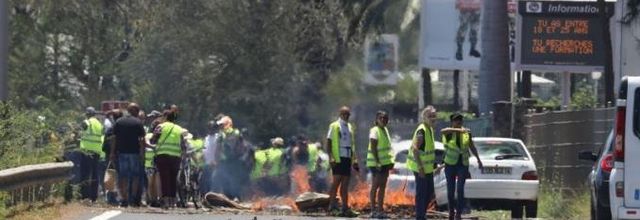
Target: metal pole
[[4, 50]]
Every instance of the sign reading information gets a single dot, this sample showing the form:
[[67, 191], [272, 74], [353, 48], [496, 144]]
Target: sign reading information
[[561, 36]]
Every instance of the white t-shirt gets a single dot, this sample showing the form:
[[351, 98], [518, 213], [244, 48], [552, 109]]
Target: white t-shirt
[[373, 134], [345, 139]]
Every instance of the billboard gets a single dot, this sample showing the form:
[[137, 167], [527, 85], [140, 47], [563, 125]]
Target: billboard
[[564, 36], [381, 60], [450, 34]]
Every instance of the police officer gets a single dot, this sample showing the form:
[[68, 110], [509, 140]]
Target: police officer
[[421, 161], [458, 142], [379, 162]]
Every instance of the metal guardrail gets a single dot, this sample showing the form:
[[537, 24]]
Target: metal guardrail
[[33, 182], [38, 174]]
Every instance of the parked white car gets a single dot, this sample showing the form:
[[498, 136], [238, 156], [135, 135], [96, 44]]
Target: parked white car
[[624, 181], [401, 178], [508, 181]]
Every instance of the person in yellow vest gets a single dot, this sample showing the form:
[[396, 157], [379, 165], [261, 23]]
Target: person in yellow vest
[[171, 147], [152, 182], [458, 142], [91, 148], [259, 172], [276, 168], [379, 162], [421, 160], [308, 155], [342, 157]]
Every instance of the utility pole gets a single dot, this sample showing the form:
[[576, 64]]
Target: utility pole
[[495, 69], [4, 51], [427, 97], [608, 59]]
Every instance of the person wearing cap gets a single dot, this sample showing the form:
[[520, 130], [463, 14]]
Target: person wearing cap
[[276, 167], [91, 148], [231, 154], [379, 162], [342, 157], [421, 161], [458, 142]]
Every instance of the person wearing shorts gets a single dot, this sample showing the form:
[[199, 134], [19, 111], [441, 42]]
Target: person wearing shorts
[[128, 148], [379, 162], [342, 157]]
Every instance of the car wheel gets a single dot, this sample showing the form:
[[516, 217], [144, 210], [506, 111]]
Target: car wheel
[[516, 209], [601, 212], [531, 208]]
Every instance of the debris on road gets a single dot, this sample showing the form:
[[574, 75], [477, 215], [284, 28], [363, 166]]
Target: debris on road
[[312, 201], [219, 200]]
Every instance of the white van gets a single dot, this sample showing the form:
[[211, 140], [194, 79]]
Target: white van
[[624, 182]]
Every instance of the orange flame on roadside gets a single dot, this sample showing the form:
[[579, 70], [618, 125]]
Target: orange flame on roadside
[[359, 197], [264, 203], [300, 180]]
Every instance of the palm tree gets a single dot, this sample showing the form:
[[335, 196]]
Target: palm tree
[[494, 84]]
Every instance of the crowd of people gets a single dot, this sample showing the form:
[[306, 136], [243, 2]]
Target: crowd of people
[[149, 151]]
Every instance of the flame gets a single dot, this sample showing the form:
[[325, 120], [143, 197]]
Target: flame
[[359, 197], [300, 180], [263, 203]]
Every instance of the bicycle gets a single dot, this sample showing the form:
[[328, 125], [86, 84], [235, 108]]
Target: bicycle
[[188, 185]]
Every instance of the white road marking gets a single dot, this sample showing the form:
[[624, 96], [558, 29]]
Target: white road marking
[[107, 215]]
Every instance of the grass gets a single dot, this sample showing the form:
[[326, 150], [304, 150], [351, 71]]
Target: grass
[[45, 211], [552, 204]]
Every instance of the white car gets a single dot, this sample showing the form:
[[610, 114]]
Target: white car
[[624, 181], [509, 179], [401, 178]]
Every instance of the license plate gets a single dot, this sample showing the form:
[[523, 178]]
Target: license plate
[[497, 170]]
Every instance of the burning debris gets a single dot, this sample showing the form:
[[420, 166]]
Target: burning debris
[[219, 200], [311, 201]]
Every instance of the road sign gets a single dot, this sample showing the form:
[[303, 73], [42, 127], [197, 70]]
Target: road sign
[[561, 36], [381, 60]]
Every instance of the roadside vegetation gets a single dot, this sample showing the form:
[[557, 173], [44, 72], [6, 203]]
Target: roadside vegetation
[[552, 204]]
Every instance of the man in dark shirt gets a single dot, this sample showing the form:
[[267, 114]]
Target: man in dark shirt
[[128, 148]]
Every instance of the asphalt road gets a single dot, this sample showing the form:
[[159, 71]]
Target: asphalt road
[[124, 215]]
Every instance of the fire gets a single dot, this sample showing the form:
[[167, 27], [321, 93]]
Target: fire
[[359, 197], [264, 203], [300, 180]]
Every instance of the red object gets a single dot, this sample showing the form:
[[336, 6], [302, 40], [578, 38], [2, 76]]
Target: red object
[[530, 175], [468, 5], [106, 106], [619, 138], [607, 163]]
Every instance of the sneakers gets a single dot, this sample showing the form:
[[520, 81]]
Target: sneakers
[[474, 53]]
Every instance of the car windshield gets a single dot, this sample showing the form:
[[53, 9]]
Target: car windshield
[[501, 150]]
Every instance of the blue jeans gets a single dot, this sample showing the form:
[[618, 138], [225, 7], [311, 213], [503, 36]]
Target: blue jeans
[[130, 167], [424, 192], [451, 172]]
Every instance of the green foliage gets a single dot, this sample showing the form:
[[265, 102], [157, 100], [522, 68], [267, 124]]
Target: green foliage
[[444, 115], [583, 97], [265, 63], [30, 137], [552, 103]]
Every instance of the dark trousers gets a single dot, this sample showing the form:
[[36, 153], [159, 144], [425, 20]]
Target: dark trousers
[[451, 172], [168, 168], [233, 178], [424, 192], [89, 176]]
